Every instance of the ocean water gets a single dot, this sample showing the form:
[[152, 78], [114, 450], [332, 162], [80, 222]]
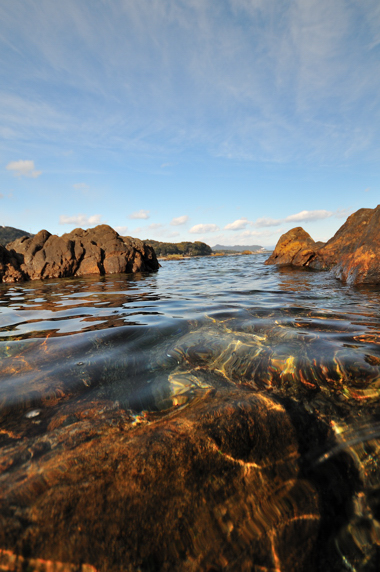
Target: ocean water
[[151, 345]]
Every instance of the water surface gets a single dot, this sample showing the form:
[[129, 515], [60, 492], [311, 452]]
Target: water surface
[[151, 344]]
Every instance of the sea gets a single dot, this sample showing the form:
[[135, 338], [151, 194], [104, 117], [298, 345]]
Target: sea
[[157, 343]]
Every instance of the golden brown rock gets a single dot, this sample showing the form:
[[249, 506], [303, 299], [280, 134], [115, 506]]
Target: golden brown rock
[[99, 250], [344, 241], [294, 247], [216, 486], [362, 264], [353, 253]]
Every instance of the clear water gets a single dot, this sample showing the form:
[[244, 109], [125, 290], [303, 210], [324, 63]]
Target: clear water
[[154, 343]]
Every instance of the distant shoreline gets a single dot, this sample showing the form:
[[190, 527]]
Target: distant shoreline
[[213, 255]]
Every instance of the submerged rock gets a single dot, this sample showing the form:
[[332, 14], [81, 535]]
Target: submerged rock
[[353, 253], [98, 250], [217, 485]]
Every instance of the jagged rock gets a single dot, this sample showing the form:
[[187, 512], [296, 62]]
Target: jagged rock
[[294, 247], [353, 253], [98, 250]]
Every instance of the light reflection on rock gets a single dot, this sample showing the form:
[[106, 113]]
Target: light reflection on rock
[[218, 485]]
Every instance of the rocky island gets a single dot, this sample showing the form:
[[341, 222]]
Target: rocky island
[[99, 250], [352, 254]]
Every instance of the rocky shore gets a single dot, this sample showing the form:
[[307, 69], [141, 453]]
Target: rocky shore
[[352, 254], [99, 250]]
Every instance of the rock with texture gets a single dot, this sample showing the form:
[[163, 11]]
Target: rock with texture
[[98, 250], [344, 241], [217, 487], [353, 253], [294, 247], [361, 264]]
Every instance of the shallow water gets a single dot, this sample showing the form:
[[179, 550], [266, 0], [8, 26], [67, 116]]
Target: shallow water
[[151, 344]]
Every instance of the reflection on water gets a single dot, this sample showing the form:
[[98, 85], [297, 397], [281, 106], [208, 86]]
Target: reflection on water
[[139, 349]]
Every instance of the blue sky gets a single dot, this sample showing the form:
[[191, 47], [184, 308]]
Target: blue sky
[[227, 121]]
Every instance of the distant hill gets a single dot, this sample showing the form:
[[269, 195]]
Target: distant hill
[[237, 247], [8, 233], [180, 248]]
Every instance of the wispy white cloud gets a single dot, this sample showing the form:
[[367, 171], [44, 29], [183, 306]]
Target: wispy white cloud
[[237, 224], [23, 168], [81, 220], [141, 214], [155, 226], [303, 216], [263, 222], [263, 234], [203, 228], [81, 186], [249, 237], [179, 220], [343, 213], [308, 216], [271, 81], [122, 230]]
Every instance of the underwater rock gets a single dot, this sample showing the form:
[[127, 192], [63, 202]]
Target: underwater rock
[[98, 250], [353, 253], [215, 485]]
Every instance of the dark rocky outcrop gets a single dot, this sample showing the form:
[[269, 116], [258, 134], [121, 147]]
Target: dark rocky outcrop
[[353, 253], [98, 250]]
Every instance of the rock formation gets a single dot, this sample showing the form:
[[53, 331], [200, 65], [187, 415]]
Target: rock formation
[[219, 487], [294, 247], [98, 250], [353, 253]]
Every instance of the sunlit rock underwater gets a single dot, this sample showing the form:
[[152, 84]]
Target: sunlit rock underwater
[[227, 422]]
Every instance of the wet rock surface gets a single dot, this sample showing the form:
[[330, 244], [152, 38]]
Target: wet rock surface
[[215, 486], [99, 250], [353, 253]]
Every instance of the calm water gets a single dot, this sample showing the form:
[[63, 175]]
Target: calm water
[[154, 343]]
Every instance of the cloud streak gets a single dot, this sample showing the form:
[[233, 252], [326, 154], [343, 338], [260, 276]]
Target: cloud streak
[[81, 186], [303, 216], [203, 228], [81, 220], [141, 214], [308, 216], [23, 168], [179, 220], [237, 224], [268, 81]]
